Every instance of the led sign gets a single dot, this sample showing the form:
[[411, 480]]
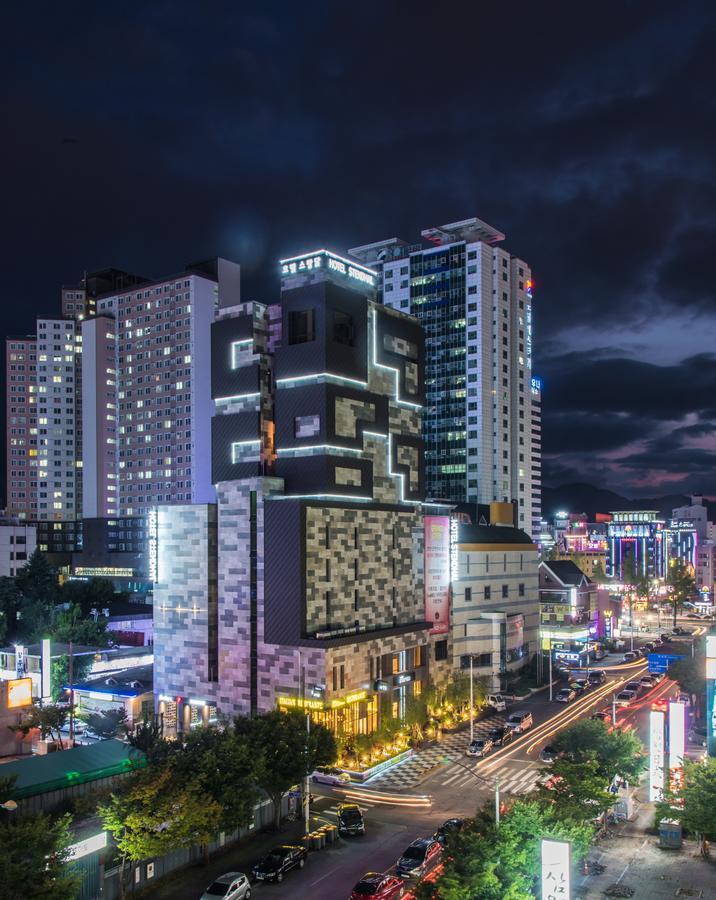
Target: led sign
[[327, 261], [656, 755], [19, 693]]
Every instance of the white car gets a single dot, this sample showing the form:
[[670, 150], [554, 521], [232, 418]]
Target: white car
[[232, 886], [624, 698], [330, 776]]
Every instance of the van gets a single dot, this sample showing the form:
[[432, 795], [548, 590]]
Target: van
[[497, 702], [520, 721]]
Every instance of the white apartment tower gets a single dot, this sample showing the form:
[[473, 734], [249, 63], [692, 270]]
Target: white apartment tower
[[474, 299]]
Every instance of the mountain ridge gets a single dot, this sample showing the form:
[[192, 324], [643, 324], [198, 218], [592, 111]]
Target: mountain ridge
[[582, 497]]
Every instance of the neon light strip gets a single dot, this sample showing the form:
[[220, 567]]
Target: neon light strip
[[236, 397], [318, 447], [348, 262], [389, 368], [320, 497], [339, 378]]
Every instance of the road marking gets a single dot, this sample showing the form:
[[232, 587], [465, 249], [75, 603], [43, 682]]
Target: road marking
[[323, 876]]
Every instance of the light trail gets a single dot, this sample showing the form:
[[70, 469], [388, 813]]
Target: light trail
[[382, 797]]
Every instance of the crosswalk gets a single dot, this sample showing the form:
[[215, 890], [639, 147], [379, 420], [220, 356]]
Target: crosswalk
[[513, 779]]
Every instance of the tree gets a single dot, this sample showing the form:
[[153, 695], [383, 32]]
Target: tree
[[690, 673], [97, 593], [73, 625], [578, 790], [694, 803], [614, 752], [49, 719], [34, 859], [147, 737], [598, 575], [37, 580], [681, 583], [10, 604], [155, 813], [60, 673], [503, 864], [107, 724], [284, 751]]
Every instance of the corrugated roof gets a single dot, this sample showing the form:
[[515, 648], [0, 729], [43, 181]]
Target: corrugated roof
[[40, 774]]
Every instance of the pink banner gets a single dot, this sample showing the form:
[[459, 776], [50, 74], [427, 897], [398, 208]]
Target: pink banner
[[437, 573]]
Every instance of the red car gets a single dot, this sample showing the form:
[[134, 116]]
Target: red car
[[379, 887]]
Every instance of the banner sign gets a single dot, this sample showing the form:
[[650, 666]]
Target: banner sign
[[437, 573]]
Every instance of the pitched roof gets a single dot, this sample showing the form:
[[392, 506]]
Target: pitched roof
[[567, 571], [55, 771]]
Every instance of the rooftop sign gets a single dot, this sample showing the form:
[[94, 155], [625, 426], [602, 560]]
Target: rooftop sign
[[326, 261]]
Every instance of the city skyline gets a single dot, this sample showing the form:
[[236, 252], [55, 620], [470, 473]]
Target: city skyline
[[590, 150]]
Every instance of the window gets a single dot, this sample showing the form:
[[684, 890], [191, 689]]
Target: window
[[441, 650], [521, 589], [488, 592], [468, 595], [342, 328], [505, 591], [300, 326]]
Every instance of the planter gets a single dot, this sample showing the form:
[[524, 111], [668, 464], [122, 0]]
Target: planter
[[364, 775]]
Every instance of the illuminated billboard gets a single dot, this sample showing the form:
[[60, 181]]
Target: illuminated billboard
[[437, 573], [677, 735], [711, 694], [19, 693], [556, 869], [656, 755]]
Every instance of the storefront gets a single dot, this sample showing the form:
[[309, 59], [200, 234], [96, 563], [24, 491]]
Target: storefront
[[178, 715], [356, 713]]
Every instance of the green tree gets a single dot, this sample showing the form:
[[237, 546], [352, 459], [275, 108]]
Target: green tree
[[578, 790], [73, 625], [155, 813], [108, 724], [694, 803], [614, 752], [503, 864], [147, 737], [598, 575], [96, 593], [10, 604], [49, 719], [37, 580], [690, 673], [284, 751], [681, 584], [60, 673], [34, 861]]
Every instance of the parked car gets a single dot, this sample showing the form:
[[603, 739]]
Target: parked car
[[279, 861], [520, 721], [698, 733], [350, 819], [647, 681], [580, 685], [548, 754], [451, 826], [566, 695], [635, 686], [630, 656], [378, 886], [330, 775], [500, 735], [419, 857], [597, 677], [624, 698], [496, 701], [479, 747], [232, 886], [601, 715]]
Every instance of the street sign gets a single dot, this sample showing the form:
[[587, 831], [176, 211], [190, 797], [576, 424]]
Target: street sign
[[660, 662]]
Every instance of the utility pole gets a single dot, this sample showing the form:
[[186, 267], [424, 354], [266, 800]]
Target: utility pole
[[614, 709], [72, 698], [550, 668], [472, 713], [497, 801], [306, 786]]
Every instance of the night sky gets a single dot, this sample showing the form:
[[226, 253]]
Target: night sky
[[150, 134]]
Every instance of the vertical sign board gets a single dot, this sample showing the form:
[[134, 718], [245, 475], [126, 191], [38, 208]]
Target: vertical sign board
[[711, 694], [677, 740], [437, 572], [45, 669], [556, 869], [656, 755]]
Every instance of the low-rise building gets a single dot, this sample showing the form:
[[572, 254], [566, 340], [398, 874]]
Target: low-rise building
[[18, 540], [129, 690]]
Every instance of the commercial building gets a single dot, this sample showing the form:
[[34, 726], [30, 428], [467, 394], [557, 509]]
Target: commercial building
[[18, 539], [303, 586], [481, 422], [495, 596], [21, 427], [650, 543]]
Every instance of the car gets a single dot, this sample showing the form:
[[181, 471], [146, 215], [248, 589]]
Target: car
[[601, 715], [496, 701], [566, 695], [451, 826], [635, 686], [580, 685], [665, 638], [680, 630], [658, 645], [548, 754], [624, 698], [698, 733], [630, 656], [647, 681], [420, 856], [658, 676], [350, 819], [648, 646], [597, 677], [330, 775], [479, 747], [378, 886], [279, 861], [599, 652], [232, 886], [520, 721], [500, 735]]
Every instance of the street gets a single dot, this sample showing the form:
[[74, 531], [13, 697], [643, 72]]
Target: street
[[456, 784]]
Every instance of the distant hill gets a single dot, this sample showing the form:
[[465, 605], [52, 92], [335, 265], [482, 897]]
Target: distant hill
[[585, 498]]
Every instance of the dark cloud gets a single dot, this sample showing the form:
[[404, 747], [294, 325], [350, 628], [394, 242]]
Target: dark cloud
[[256, 131]]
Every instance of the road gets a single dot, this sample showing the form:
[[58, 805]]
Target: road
[[457, 787]]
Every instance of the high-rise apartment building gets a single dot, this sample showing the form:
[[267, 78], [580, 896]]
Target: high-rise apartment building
[[474, 301], [152, 403], [21, 426]]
